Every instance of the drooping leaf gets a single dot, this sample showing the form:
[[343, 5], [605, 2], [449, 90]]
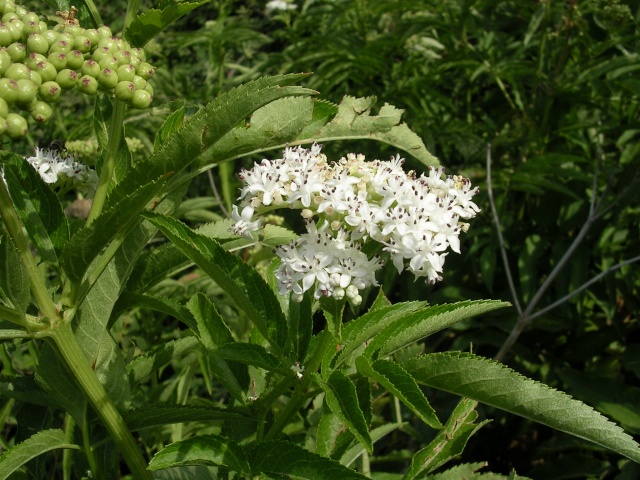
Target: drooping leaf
[[494, 384], [213, 450], [342, 398], [250, 354], [163, 414], [38, 207], [86, 244], [449, 442], [37, 444], [144, 365], [395, 379], [212, 332], [275, 125], [241, 282], [148, 24], [160, 304], [351, 454], [170, 126], [300, 326], [14, 281], [332, 435], [285, 460]]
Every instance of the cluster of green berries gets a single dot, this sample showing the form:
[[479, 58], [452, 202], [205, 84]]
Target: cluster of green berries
[[38, 63]]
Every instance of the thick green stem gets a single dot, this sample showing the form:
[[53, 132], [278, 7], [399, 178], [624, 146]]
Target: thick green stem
[[69, 350], [109, 165], [14, 227], [300, 393], [132, 11]]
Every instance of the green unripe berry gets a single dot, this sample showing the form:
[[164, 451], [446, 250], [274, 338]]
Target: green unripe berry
[[67, 79], [145, 70], [46, 70], [88, 84], [100, 53], [6, 38], [141, 99], [105, 31], [9, 6], [3, 126], [30, 27], [36, 43], [8, 90], [109, 42], [126, 72], [108, 78], [139, 82], [4, 108], [43, 26], [50, 36], [17, 52], [16, 125], [90, 67], [50, 91], [82, 44], [31, 17], [108, 62], [35, 78], [123, 57], [27, 91], [33, 59], [73, 30], [93, 36], [124, 91], [58, 60], [17, 71], [41, 111], [61, 46], [5, 60], [139, 52], [65, 37], [15, 27], [21, 11], [8, 16], [149, 88], [75, 59]]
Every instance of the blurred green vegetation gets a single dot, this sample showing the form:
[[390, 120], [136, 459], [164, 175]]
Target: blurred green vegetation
[[553, 86]]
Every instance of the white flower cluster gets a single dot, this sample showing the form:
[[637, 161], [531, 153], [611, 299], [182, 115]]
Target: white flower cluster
[[416, 219], [279, 6], [63, 172]]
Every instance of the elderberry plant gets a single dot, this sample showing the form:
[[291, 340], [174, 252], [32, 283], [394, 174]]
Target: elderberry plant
[[299, 393]]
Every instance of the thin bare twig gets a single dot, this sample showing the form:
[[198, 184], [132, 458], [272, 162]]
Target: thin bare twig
[[216, 194], [503, 249]]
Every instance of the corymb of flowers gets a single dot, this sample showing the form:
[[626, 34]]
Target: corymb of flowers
[[62, 172], [414, 218]]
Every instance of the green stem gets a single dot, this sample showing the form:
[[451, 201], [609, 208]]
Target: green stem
[[69, 350], [108, 167], [300, 393], [14, 227], [69, 427], [95, 14], [132, 11]]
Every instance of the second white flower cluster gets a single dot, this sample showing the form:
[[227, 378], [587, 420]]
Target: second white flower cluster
[[63, 172], [347, 204]]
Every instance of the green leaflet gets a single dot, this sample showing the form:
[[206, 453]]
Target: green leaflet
[[37, 206], [241, 282], [202, 450], [297, 121], [212, 332], [449, 442], [342, 398], [494, 384], [35, 445], [14, 281], [87, 243], [251, 354], [203, 129], [425, 322], [286, 460], [144, 365], [163, 414], [357, 332], [161, 304], [148, 24], [395, 379]]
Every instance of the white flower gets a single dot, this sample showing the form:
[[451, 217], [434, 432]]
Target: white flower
[[243, 224], [279, 5], [63, 172], [414, 219]]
